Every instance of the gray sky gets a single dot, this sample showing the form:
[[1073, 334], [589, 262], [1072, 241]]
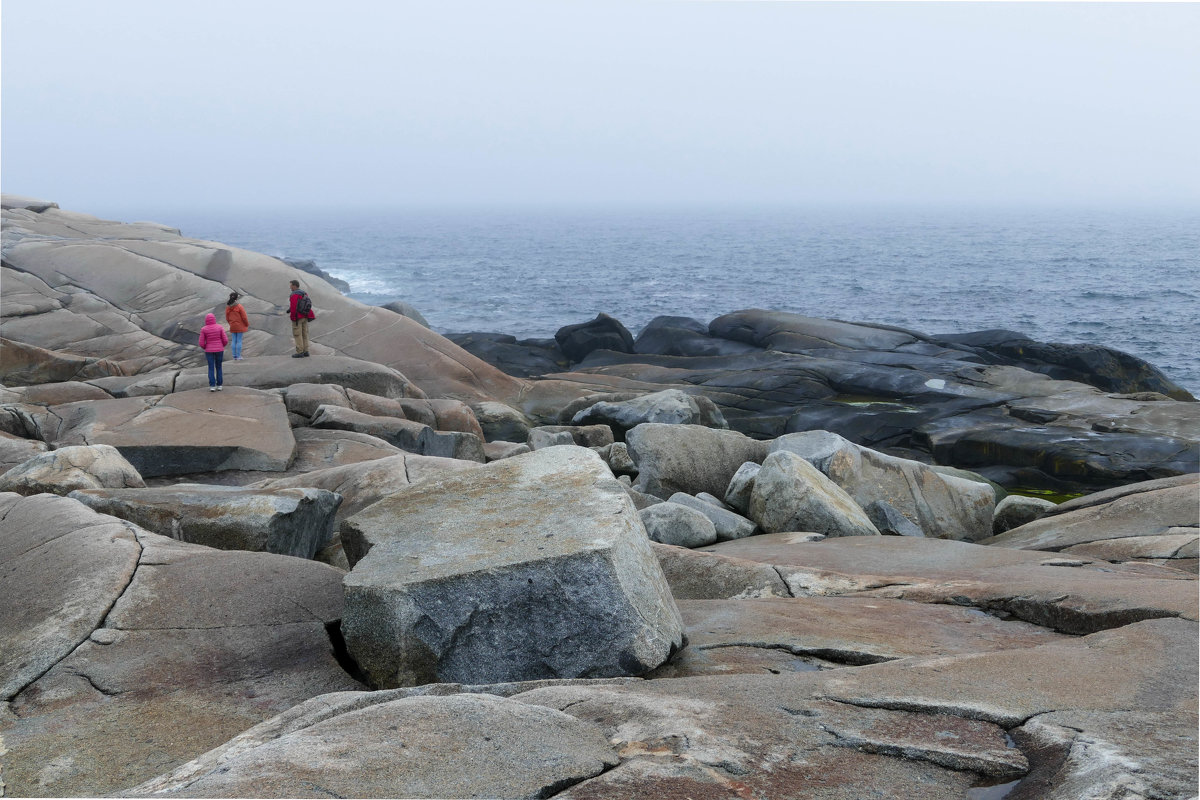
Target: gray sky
[[126, 104]]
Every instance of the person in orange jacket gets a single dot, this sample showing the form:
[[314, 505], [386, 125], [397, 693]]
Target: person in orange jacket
[[239, 323]]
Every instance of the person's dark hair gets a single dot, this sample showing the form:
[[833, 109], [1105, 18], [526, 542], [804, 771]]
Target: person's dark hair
[[233, 298], [295, 284]]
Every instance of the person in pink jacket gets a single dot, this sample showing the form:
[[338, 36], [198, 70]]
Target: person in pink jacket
[[213, 340]]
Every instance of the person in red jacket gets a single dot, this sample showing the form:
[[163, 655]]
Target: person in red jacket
[[300, 320], [239, 323], [212, 341]]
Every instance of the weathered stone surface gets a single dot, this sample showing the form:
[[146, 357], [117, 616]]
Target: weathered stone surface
[[669, 407], [326, 448], [501, 423], [494, 451], [582, 435], [790, 494], [540, 438], [292, 522], [688, 458], [16, 450], [942, 506], [402, 433], [889, 521], [1108, 754], [451, 444], [1015, 511], [753, 635], [1108, 495], [1069, 594], [741, 486], [1152, 513], [64, 470], [672, 523], [52, 394], [305, 398], [455, 415], [1171, 547], [185, 432], [531, 567], [728, 524], [62, 566], [268, 372], [200, 645], [703, 575], [922, 727], [464, 745], [616, 455], [24, 364]]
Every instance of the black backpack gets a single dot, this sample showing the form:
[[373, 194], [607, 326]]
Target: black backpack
[[303, 305]]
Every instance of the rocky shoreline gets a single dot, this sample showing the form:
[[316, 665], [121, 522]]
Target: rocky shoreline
[[767, 556]]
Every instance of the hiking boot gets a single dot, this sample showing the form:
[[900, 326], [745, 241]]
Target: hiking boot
[[297, 355], [305, 354]]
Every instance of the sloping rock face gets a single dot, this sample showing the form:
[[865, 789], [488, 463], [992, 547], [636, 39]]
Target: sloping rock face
[[102, 289], [124, 654], [1070, 594], [502, 748], [64, 470], [15, 450], [532, 567], [941, 506], [182, 433], [1161, 523], [290, 522], [794, 634]]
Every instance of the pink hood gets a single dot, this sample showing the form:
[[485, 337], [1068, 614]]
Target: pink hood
[[213, 338]]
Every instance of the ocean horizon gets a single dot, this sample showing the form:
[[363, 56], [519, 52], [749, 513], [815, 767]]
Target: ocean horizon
[[1124, 279]]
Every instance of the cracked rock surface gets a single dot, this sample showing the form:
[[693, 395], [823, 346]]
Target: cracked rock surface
[[126, 653]]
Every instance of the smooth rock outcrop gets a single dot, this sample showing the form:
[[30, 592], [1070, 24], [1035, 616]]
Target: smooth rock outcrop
[[16, 450], [790, 494], [292, 522], [532, 567], [688, 458], [459, 745], [125, 654], [941, 506], [66, 469], [182, 433]]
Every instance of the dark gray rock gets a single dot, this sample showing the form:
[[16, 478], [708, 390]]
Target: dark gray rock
[[602, 333]]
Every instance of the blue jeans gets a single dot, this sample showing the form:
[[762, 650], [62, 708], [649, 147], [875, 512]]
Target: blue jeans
[[237, 344], [214, 367]]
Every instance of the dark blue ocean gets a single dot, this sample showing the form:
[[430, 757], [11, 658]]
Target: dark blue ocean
[[1129, 280]]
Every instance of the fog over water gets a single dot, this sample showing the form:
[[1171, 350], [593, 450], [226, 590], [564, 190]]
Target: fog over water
[[132, 107]]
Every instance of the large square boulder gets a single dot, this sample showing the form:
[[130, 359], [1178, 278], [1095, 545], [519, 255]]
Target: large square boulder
[[532, 567]]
